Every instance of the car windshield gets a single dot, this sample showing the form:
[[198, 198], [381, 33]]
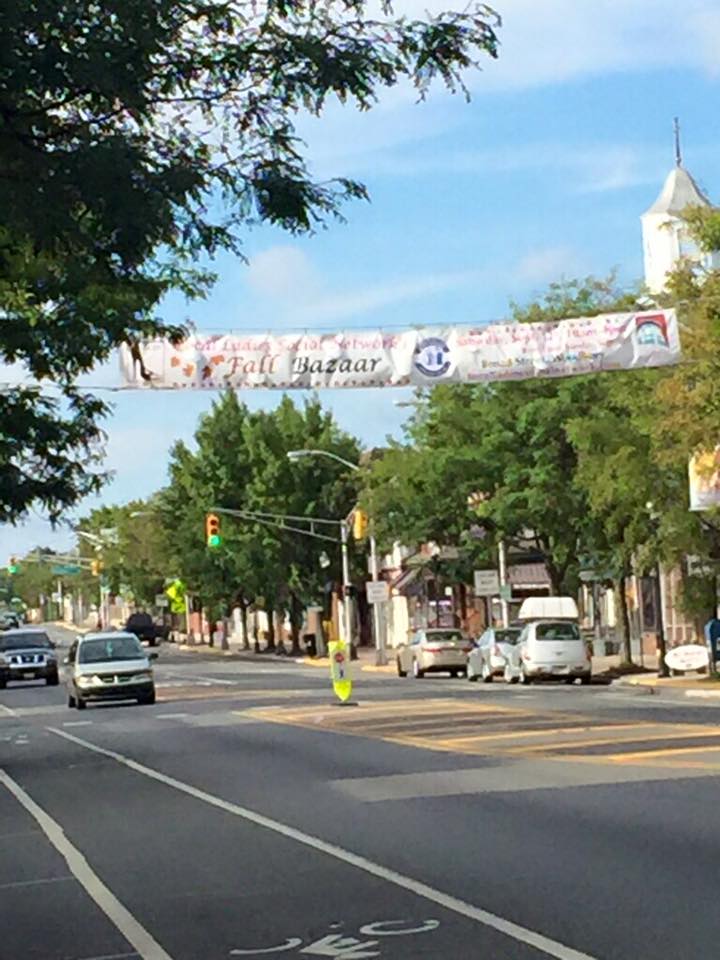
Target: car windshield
[[507, 636], [557, 631], [22, 641], [110, 648], [443, 636]]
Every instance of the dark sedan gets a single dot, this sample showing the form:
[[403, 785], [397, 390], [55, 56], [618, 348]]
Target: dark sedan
[[27, 655]]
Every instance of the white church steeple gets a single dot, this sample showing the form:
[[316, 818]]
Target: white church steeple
[[665, 236]]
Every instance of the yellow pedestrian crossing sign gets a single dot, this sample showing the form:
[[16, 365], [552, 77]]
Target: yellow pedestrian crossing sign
[[340, 670]]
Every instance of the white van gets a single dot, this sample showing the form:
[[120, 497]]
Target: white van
[[551, 646]]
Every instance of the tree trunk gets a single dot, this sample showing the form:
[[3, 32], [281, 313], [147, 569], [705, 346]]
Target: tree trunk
[[295, 621], [244, 625], [256, 633], [623, 620], [280, 640], [270, 612]]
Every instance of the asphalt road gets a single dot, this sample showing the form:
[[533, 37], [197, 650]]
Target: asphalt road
[[247, 815]]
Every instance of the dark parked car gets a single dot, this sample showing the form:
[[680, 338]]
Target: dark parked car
[[27, 655], [145, 629], [9, 620]]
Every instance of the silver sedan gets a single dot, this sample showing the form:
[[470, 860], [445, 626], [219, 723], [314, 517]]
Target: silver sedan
[[434, 650]]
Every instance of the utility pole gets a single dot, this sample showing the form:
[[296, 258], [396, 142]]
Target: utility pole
[[502, 570], [663, 670]]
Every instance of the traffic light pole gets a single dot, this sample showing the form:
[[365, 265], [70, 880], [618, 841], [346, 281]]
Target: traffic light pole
[[347, 615], [380, 655]]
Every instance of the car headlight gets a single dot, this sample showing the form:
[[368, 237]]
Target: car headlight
[[143, 677], [86, 681]]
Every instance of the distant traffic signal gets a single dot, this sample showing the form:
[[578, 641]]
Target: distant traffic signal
[[212, 530], [13, 565], [95, 567], [360, 524]]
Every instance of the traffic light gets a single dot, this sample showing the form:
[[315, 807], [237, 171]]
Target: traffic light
[[13, 566], [212, 530], [95, 567], [360, 524]]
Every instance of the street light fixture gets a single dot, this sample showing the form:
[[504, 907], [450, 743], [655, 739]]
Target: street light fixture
[[380, 658]]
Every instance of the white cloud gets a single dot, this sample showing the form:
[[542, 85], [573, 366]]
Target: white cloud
[[351, 303], [283, 272], [586, 168], [288, 275], [561, 40], [554, 43], [546, 265]]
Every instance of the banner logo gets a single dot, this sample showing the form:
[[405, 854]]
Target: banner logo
[[432, 357]]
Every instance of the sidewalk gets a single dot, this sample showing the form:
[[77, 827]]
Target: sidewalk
[[695, 686]]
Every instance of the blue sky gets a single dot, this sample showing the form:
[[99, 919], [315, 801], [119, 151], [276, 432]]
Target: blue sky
[[544, 174]]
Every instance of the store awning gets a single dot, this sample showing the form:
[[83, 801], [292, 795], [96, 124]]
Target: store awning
[[529, 576]]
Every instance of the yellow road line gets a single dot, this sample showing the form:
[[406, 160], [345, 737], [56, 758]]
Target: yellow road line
[[659, 735], [669, 751], [545, 732]]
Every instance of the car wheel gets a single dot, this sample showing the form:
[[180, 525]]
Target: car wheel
[[524, 678], [470, 674], [52, 680], [417, 672], [487, 673], [3, 684], [586, 679], [72, 702], [400, 671], [147, 700], [80, 703]]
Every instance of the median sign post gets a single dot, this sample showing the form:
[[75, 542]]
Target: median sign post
[[377, 591], [340, 670]]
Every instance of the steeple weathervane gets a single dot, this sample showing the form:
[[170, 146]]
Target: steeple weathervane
[[678, 150]]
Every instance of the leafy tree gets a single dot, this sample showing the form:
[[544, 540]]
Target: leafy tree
[[134, 553], [138, 138], [506, 442], [257, 561]]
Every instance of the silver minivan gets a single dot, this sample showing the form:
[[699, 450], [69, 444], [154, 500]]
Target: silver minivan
[[108, 666], [552, 650]]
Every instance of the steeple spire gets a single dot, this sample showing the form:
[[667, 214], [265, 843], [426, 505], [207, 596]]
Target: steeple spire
[[678, 150]]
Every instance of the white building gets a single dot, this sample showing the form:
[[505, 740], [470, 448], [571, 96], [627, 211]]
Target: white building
[[665, 236]]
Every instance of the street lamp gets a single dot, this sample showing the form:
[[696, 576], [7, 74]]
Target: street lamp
[[381, 658]]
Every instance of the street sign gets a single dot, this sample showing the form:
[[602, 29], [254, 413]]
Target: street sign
[[56, 598], [486, 583], [377, 591], [506, 592], [65, 569], [161, 600], [340, 670]]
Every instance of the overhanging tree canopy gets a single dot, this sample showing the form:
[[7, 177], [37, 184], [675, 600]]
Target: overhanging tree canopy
[[141, 136]]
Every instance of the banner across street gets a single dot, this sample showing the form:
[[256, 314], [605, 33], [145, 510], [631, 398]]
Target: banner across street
[[418, 357]]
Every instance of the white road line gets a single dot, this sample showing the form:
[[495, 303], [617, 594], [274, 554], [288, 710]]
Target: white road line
[[6, 711], [137, 936], [34, 883], [77, 723], [165, 716], [531, 938]]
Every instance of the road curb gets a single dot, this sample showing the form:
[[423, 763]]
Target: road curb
[[658, 690], [244, 655]]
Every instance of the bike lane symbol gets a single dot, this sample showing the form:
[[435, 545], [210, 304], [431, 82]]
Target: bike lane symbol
[[346, 948]]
